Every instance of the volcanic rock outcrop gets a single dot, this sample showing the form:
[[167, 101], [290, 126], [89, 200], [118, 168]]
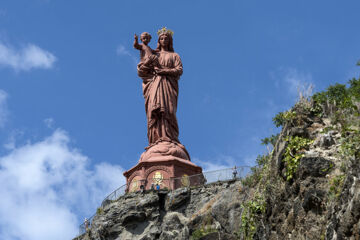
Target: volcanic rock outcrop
[[306, 187]]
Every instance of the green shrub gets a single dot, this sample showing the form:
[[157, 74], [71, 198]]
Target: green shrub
[[354, 89], [205, 229], [251, 210], [336, 184], [257, 171], [253, 178], [350, 144], [99, 211], [282, 117], [293, 153], [270, 140], [338, 94], [261, 160], [327, 129], [339, 97], [199, 233]]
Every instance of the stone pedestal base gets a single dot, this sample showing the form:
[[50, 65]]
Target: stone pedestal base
[[161, 165]]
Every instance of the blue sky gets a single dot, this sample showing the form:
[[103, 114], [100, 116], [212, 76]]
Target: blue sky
[[72, 115]]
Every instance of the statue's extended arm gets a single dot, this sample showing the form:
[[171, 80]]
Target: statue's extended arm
[[136, 43]]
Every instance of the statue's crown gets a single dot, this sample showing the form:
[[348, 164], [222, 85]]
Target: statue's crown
[[164, 30]]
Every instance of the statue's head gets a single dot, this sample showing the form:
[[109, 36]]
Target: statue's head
[[145, 37], [165, 39]]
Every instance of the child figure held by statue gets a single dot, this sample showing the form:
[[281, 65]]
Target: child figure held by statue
[[148, 58]]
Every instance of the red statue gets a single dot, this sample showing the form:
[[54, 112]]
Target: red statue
[[160, 74], [160, 71]]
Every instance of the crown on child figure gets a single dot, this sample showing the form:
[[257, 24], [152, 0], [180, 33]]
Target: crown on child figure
[[164, 30]]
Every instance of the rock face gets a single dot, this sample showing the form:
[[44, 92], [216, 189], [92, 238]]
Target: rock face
[[307, 188], [212, 211], [322, 200]]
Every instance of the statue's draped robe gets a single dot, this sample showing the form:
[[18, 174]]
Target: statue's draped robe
[[161, 94]]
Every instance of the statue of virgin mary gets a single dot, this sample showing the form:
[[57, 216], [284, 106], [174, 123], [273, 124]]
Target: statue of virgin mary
[[160, 90]]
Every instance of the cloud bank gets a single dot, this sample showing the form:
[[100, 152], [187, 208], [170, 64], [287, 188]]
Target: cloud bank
[[27, 58], [46, 184]]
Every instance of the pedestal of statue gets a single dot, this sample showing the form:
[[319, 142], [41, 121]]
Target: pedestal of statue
[[164, 165]]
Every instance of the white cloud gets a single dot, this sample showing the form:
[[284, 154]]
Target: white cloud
[[10, 144], [46, 184], [222, 162], [214, 171], [49, 122], [3, 107], [249, 160], [121, 50], [29, 57], [297, 81], [222, 168], [225, 161], [211, 166]]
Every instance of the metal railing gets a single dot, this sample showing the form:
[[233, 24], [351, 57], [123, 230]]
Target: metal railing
[[86, 225], [171, 184], [210, 177], [114, 195]]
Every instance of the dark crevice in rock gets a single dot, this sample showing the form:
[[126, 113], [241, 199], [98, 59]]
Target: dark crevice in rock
[[313, 200], [162, 198], [162, 213], [314, 167], [222, 227]]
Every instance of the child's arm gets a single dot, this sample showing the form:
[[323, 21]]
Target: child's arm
[[136, 43]]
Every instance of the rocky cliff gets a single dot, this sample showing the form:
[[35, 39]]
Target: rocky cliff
[[306, 187], [213, 210]]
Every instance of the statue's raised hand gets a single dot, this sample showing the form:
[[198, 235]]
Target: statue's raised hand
[[136, 43]]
